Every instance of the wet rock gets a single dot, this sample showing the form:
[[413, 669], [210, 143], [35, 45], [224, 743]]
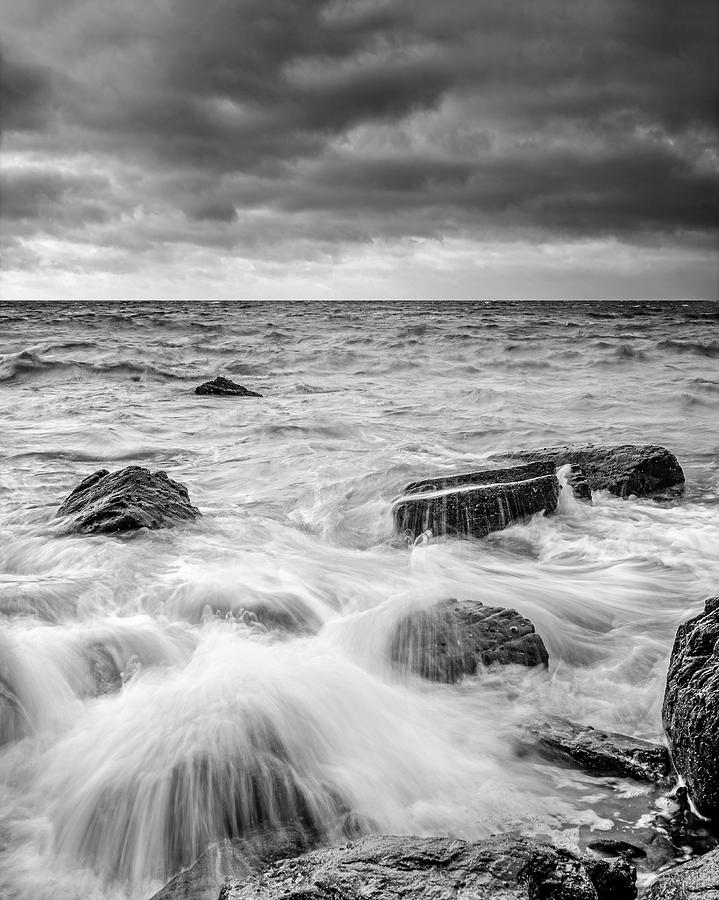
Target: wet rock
[[508, 867], [476, 503], [125, 500], [579, 484], [597, 752], [691, 707], [613, 847], [640, 469], [223, 387], [454, 637], [239, 858], [697, 879]]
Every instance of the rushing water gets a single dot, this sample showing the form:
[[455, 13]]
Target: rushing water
[[257, 686]]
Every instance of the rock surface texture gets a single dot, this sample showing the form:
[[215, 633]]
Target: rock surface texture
[[223, 387], [389, 868], [476, 503], [697, 879], [451, 639], [691, 707], [641, 469], [598, 752], [132, 498]]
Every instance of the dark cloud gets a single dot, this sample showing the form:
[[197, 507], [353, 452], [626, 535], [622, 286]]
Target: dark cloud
[[363, 118]]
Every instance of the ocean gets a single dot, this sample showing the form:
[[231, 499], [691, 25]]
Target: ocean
[[253, 643]]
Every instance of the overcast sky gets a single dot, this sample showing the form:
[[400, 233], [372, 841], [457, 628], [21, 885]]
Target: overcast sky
[[367, 148]]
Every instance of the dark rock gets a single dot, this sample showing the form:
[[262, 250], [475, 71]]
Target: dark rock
[[579, 484], [239, 858], [125, 500], [223, 387], [697, 879], [597, 752], [691, 707], [614, 847], [453, 637], [508, 867], [476, 503], [623, 470]]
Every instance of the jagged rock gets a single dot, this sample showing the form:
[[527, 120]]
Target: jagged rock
[[697, 879], [641, 469], [476, 503], [239, 858], [508, 867], [125, 500], [223, 387], [691, 707], [453, 637], [597, 752]]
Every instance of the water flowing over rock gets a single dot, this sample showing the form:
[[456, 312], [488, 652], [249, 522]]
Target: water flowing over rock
[[476, 503], [598, 752], [641, 469], [224, 387], [453, 637], [691, 707], [389, 868], [125, 500], [697, 879]]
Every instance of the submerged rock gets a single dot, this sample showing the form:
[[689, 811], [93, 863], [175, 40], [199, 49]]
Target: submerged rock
[[239, 858], [453, 637], [125, 500], [691, 707], [641, 469], [508, 867], [697, 879], [224, 387], [597, 752], [476, 503]]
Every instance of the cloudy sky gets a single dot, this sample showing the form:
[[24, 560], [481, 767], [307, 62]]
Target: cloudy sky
[[360, 148]]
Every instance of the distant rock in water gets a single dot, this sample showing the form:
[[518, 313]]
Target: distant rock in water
[[132, 498], [597, 752], [508, 867], [451, 639], [223, 387], [641, 469], [691, 707], [697, 879], [477, 503]]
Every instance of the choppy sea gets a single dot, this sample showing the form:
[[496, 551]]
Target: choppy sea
[[108, 795]]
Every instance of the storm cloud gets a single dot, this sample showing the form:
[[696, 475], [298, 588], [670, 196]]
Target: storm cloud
[[168, 133]]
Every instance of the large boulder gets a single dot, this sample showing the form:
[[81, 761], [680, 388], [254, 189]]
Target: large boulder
[[476, 503], [595, 751], [640, 469], [697, 879], [125, 500], [691, 707], [224, 387], [454, 637], [507, 867]]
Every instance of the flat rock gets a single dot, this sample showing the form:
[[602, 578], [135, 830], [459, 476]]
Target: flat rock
[[691, 707], [697, 879], [476, 503], [508, 867], [454, 637], [224, 387], [639, 469], [598, 752], [125, 500]]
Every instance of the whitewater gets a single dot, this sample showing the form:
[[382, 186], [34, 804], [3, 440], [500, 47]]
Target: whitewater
[[257, 686]]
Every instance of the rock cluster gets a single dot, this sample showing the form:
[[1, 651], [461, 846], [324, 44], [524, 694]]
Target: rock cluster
[[125, 500], [697, 879]]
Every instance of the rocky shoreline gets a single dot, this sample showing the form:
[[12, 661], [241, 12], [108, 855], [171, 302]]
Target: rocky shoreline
[[444, 643]]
